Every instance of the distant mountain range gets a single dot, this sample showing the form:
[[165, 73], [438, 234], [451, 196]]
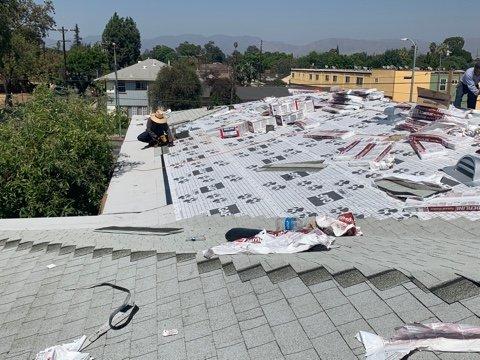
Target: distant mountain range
[[346, 46]]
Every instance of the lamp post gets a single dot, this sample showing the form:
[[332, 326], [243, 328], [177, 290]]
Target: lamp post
[[117, 104], [233, 80], [414, 64]]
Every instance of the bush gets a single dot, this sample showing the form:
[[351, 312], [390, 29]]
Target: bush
[[56, 157]]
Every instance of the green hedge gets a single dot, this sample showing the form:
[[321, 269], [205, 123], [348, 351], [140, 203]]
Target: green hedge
[[55, 157]]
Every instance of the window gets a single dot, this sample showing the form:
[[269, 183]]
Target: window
[[443, 84], [347, 79], [454, 82], [311, 77], [335, 78], [376, 80], [121, 87], [140, 85], [317, 77], [293, 75], [327, 77], [359, 81]]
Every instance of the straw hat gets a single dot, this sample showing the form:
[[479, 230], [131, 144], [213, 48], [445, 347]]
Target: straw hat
[[158, 117]]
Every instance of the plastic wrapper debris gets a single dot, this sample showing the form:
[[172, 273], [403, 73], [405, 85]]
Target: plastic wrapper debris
[[443, 337], [344, 225], [283, 242], [68, 351]]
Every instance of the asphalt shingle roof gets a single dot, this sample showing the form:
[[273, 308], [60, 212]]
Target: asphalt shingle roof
[[218, 315], [146, 70]]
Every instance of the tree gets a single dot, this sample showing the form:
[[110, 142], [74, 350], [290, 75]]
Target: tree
[[213, 53], [455, 44], [85, 63], [252, 49], [77, 40], [221, 92], [432, 48], [124, 33], [187, 49], [24, 24], [161, 53], [56, 157], [177, 87]]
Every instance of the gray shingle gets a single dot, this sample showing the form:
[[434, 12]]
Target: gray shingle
[[450, 313], [304, 305], [201, 349], [278, 312], [330, 298], [317, 325], [270, 296], [222, 316], [258, 336], [293, 287], [245, 302], [234, 352], [291, 338], [227, 337], [197, 330], [266, 351], [309, 354], [385, 325], [174, 350], [333, 347], [408, 308], [369, 304], [343, 314]]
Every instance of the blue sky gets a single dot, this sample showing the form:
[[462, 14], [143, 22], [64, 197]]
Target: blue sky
[[299, 21]]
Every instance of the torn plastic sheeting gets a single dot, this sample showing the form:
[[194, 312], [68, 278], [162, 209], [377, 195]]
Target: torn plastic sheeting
[[70, 351], [407, 339], [343, 226], [284, 242]]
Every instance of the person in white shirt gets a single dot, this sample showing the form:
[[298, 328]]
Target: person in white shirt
[[468, 85]]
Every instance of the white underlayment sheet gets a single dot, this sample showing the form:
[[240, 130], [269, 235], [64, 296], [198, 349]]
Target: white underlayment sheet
[[209, 175]]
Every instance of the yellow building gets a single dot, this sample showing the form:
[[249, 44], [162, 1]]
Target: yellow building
[[394, 83]]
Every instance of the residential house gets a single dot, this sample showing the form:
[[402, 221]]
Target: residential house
[[133, 84], [395, 83]]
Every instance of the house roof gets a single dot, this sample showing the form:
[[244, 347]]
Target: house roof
[[336, 71], [251, 93], [145, 70], [420, 268]]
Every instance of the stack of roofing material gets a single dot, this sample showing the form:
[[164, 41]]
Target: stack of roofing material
[[421, 116], [452, 202], [344, 102], [291, 111], [259, 125]]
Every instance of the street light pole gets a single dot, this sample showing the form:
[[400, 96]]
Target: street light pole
[[414, 65], [117, 105]]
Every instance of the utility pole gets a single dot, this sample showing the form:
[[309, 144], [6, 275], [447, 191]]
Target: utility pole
[[261, 59], [63, 30], [234, 57], [117, 104]]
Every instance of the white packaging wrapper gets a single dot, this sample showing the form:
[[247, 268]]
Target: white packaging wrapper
[[284, 242], [68, 351]]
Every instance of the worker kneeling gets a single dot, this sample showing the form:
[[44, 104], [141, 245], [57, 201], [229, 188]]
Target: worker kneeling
[[468, 85], [157, 132]]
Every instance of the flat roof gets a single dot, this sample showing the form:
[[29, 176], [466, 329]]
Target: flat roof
[[336, 70]]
